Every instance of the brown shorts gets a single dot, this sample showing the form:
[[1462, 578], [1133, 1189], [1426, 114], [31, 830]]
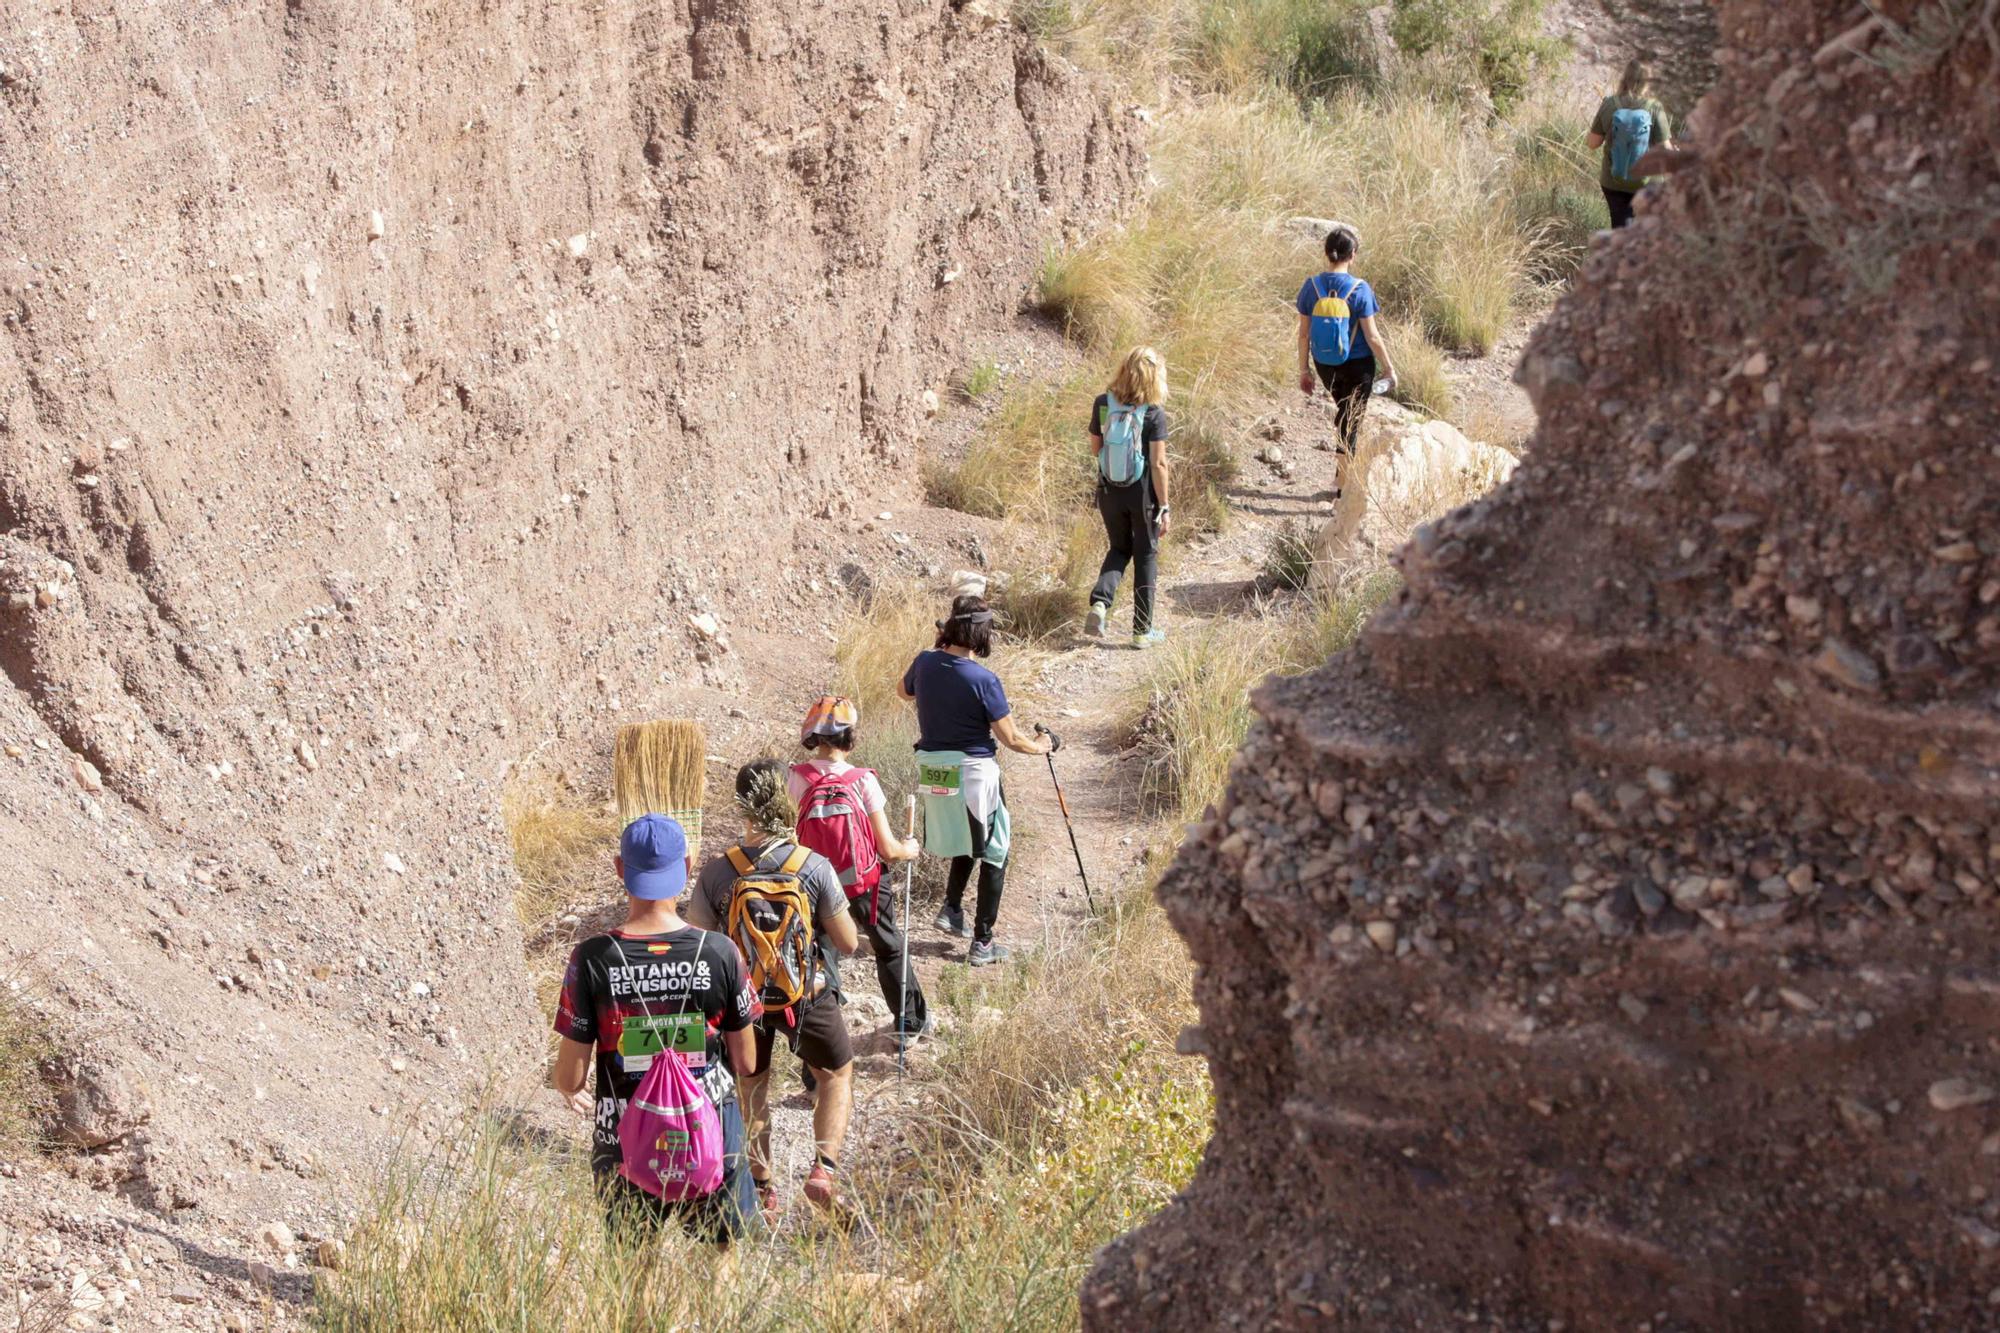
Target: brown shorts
[[819, 1037]]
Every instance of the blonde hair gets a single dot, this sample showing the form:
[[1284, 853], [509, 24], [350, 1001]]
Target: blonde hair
[[1142, 379], [1635, 80]]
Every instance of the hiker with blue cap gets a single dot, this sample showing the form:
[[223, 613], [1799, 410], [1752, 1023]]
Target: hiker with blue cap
[[963, 717], [657, 988]]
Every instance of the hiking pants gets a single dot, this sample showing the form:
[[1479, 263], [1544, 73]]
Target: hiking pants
[[1620, 204], [992, 881], [1132, 525], [1351, 384], [889, 941]]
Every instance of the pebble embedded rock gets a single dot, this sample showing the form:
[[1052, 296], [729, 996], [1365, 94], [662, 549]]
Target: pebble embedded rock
[[1955, 1094]]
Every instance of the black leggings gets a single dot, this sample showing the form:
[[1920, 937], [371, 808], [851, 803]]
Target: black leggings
[[1131, 526], [992, 881], [1620, 204], [885, 933], [1352, 384]]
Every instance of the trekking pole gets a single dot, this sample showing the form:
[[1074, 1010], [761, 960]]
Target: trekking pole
[[1055, 743], [903, 1018]]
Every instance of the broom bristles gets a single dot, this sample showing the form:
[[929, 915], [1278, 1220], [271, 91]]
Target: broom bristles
[[661, 768]]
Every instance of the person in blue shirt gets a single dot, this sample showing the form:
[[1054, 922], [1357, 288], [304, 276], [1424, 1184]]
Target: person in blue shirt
[[1352, 382], [962, 707]]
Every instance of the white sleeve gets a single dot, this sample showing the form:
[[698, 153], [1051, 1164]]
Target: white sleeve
[[872, 797]]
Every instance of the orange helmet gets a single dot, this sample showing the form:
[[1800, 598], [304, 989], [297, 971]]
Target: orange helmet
[[829, 715]]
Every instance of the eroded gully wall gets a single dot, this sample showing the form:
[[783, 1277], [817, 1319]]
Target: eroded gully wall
[[1608, 941], [381, 388]]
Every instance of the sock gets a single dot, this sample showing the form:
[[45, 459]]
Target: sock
[[827, 1162]]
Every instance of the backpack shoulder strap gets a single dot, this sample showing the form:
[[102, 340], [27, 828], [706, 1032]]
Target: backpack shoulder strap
[[796, 861], [744, 865]]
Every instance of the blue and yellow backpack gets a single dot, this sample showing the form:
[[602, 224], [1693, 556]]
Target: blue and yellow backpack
[[1333, 320]]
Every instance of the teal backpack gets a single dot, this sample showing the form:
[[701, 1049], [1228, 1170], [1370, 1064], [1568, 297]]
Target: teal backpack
[[1333, 321], [1122, 460], [1631, 136]]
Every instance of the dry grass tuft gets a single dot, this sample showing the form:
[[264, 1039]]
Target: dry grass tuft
[[25, 1100], [563, 844]]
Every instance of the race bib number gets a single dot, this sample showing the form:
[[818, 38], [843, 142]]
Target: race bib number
[[647, 1035], [938, 779]]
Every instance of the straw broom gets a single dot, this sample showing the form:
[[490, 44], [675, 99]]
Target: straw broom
[[661, 768]]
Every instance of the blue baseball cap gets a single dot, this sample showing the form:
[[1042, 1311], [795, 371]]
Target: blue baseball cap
[[654, 850]]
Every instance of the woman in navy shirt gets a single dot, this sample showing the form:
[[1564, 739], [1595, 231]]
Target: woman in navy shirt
[[962, 707]]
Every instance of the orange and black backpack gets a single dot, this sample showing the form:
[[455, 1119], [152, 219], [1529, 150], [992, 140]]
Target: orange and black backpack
[[771, 920]]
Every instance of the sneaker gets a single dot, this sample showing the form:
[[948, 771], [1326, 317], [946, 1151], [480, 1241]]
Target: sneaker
[[767, 1201], [984, 953], [907, 1037], [1093, 624], [820, 1187], [951, 921], [1149, 638]]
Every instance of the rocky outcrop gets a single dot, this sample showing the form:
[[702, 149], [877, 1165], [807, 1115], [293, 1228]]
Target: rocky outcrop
[[1404, 470], [1608, 941], [385, 391]]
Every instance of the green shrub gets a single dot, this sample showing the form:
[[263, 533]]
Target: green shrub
[[1498, 44]]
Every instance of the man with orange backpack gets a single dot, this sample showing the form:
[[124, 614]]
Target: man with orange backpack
[[782, 906], [844, 816]]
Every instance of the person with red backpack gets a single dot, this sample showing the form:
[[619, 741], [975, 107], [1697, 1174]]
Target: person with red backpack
[[844, 816], [665, 1012]]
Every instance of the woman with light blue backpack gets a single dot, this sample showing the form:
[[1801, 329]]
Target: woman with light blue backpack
[[1128, 434]]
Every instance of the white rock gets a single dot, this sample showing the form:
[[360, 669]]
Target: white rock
[[705, 625], [376, 226], [277, 1238], [393, 862], [930, 402], [308, 759], [87, 776], [1382, 934], [579, 244]]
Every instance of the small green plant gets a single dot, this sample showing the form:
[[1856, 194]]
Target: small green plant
[[981, 380], [1288, 560]]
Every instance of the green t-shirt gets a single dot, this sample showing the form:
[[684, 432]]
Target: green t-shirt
[[1662, 133]]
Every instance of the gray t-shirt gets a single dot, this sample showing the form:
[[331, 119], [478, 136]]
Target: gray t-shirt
[[708, 905]]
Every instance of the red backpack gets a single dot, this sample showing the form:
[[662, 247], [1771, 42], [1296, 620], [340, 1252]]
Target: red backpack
[[834, 823]]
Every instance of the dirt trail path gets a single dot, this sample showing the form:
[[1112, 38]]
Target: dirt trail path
[[1086, 691]]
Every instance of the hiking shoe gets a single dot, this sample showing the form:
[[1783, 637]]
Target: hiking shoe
[[984, 953], [1149, 638], [951, 921], [820, 1187], [1093, 624], [767, 1201]]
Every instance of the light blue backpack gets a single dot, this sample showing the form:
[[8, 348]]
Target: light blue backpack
[[1631, 136], [1122, 460]]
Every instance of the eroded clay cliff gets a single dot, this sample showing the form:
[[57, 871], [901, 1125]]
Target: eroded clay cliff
[[1608, 941], [388, 392]]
